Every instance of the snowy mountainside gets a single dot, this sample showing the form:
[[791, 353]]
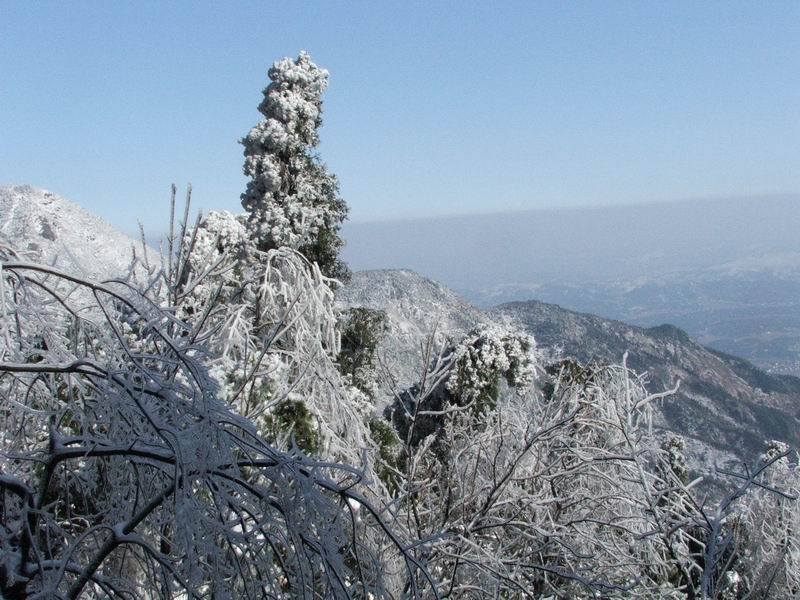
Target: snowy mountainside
[[44, 227], [726, 407], [416, 307]]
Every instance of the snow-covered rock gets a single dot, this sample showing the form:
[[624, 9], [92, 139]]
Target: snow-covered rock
[[43, 227]]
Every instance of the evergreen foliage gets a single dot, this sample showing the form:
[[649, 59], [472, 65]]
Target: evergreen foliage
[[291, 198], [475, 369], [292, 417], [362, 329]]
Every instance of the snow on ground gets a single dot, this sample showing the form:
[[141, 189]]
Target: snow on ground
[[44, 227]]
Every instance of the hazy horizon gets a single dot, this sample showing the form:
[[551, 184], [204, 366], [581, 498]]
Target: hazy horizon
[[586, 244]]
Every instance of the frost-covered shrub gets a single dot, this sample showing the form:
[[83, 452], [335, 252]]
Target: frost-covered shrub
[[215, 254], [565, 371], [390, 458], [486, 357], [274, 337], [292, 199], [674, 447], [122, 474], [570, 494], [467, 377], [768, 563], [542, 498], [270, 339]]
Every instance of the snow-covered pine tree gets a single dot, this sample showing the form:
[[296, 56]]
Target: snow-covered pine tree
[[278, 262], [292, 199]]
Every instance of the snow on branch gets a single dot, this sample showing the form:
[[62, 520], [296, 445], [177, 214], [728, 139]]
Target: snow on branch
[[122, 473]]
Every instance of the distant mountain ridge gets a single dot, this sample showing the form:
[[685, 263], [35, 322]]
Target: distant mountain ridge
[[747, 308], [724, 402]]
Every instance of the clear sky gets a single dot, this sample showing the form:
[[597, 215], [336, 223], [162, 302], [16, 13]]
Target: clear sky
[[433, 107]]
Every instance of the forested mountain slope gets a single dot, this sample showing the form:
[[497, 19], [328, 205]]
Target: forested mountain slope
[[724, 402]]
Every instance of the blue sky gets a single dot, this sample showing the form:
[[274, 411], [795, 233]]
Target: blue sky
[[434, 108]]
